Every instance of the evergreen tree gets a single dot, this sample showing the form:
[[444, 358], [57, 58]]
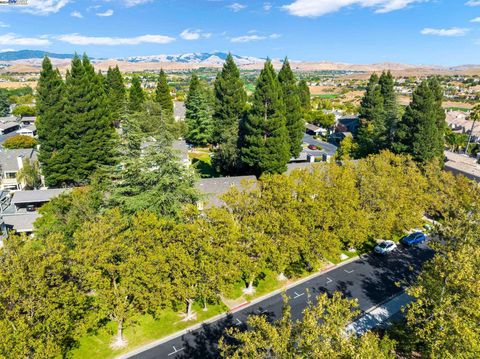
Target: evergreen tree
[[266, 146], [116, 92], [162, 95], [421, 131], [52, 125], [304, 94], [372, 133], [136, 95], [291, 98], [229, 107], [390, 106], [198, 117], [90, 129], [4, 104]]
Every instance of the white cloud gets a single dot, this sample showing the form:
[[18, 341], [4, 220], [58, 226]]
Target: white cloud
[[454, 31], [76, 14], [250, 38], [13, 39], [477, 19], [6, 50], [77, 39], [313, 8], [44, 7], [473, 3], [236, 7], [2, 24], [130, 3], [267, 6], [107, 13], [191, 35]]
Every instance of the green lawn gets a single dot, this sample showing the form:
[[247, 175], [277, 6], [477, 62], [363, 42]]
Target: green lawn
[[327, 96], [203, 163], [463, 109], [145, 330]]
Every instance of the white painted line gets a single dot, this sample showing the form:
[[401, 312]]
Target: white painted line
[[175, 351], [329, 280], [258, 311], [297, 295], [239, 322], [349, 271]]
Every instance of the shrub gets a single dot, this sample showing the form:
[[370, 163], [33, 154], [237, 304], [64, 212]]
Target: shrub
[[20, 141]]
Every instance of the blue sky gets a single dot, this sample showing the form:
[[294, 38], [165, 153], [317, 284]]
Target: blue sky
[[444, 32]]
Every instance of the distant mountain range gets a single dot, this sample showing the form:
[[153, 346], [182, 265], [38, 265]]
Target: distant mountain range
[[30, 54], [215, 58], [203, 58], [30, 61]]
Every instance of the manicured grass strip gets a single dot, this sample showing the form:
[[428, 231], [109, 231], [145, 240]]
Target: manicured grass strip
[[145, 330]]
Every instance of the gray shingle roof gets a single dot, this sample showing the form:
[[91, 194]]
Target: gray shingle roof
[[179, 110], [21, 222], [38, 196], [213, 188], [8, 158]]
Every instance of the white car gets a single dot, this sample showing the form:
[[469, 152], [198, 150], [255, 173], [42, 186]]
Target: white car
[[385, 247]]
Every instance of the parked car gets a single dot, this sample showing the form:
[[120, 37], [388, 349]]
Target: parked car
[[414, 238], [313, 147], [385, 247]]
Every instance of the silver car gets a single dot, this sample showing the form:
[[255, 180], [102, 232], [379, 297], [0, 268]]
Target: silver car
[[385, 247]]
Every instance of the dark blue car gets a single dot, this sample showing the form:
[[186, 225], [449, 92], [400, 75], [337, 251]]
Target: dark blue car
[[414, 238]]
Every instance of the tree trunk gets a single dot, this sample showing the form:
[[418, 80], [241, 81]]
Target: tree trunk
[[119, 341], [250, 289], [189, 309], [205, 305]]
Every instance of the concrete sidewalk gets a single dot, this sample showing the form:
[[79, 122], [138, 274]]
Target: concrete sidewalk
[[379, 315]]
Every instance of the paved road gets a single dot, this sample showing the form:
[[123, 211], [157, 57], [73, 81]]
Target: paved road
[[370, 279], [327, 148]]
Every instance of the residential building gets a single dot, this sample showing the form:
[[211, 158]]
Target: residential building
[[313, 130], [213, 188], [348, 124], [11, 161], [28, 130], [28, 201], [179, 111]]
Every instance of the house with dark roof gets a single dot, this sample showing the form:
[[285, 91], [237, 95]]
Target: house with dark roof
[[348, 124], [11, 161]]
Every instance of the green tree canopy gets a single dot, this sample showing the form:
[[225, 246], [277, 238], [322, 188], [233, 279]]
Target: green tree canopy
[[162, 95], [136, 95], [295, 122], [265, 144], [198, 117], [20, 141]]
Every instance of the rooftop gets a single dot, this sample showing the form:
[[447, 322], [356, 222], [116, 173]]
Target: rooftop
[[461, 164], [21, 222], [38, 196], [9, 158], [213, 188]]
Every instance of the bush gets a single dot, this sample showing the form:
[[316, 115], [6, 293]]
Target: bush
[[24, 110], [20, 141]]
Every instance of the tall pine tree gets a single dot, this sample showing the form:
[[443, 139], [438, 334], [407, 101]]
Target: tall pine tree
[[304, 94], [116, 93], [91, 136], [291, 98], [162, 95], [52, 125], [198, 117], [372, 132], [4, 104], [266, 147], [421, 130], [136, 95], [390, 107], [229, 108]]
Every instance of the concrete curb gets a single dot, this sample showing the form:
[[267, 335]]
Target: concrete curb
[[234, 310]]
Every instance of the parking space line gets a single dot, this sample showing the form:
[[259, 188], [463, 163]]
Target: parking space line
[[175, 351]]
